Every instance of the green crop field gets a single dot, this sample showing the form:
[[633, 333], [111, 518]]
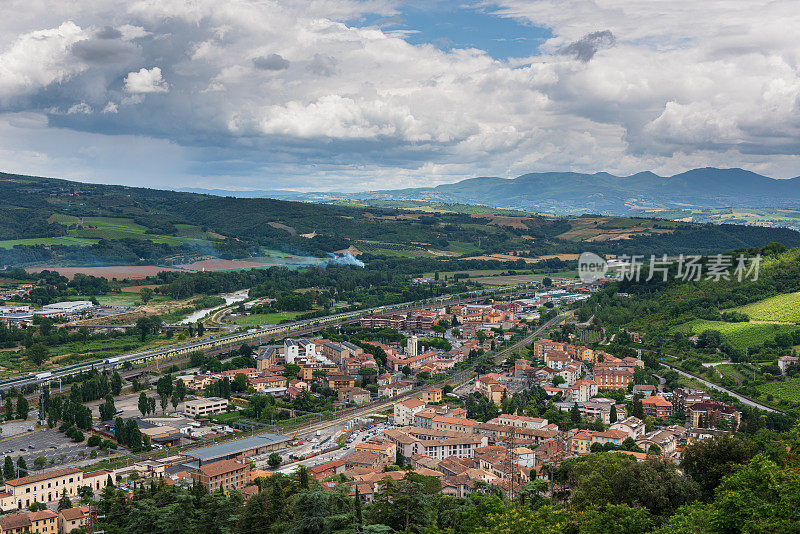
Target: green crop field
[[48, 241], [586, 337], [780, 308], [740, 335], [96, 228], [788, 389]]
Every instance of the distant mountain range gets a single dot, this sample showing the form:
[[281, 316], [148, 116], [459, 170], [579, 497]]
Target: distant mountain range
[[575, 193]]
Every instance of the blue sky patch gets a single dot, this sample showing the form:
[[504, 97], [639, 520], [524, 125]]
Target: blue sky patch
[[449, 25]]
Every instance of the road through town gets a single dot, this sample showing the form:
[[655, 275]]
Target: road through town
[[715, 387]]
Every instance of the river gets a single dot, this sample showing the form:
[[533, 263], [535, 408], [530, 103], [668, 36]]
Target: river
[[230, 298]]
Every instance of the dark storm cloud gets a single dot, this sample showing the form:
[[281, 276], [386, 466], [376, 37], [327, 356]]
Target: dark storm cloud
[[271, 62], [587, 46], [101, 51], [108, 33]]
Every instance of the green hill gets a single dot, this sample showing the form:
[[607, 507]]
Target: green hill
[[44, 220]]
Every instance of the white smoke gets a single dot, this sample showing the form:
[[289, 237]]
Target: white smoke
[[344, 259]]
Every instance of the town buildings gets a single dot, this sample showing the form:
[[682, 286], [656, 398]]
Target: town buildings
[[223, 475], [43, 487], [684, 398], [205, 406], [712, 413], [656, 406]]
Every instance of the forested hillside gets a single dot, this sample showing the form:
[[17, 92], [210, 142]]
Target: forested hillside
[[46, 220]]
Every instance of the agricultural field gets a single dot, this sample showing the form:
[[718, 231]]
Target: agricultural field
[[614, 228], [47, 241], [740, 335], [96, 228], [788, 389], [732, 371], [587, 337], [780, 308]]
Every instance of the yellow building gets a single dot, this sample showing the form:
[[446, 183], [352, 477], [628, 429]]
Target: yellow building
[[384, 448], [71, 518], [44, 522], [431, 394], [581, 443], [43, 487]]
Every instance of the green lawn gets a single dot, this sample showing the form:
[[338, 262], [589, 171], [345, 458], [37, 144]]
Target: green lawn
[[402, 253], [740, 335], [126, 299], [780, 308], [12, 363], [789, 389], [266, 318]]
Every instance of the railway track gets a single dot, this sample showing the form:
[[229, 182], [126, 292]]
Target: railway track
[[226, 343]]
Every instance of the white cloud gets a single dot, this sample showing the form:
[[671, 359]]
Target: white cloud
[[39, 58], [81, 108], [304, 93], [146, 81]]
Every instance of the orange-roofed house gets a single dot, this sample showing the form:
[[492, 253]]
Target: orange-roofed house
[[323, 471], [491, 388], [384, 447], [432, 394], [223, 475], [14, 523], [453, 424], [71, 518], [581, 443], [43, 522], [657, 406]]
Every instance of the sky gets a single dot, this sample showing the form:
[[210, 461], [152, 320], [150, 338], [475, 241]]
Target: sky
[[353, 95]]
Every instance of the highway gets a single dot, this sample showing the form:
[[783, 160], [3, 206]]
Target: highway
[[258, 335], [715, 387]]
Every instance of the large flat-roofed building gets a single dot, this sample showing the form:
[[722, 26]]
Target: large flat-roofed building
[[43, 487], [204, 407], [239, 449], [223, 475]]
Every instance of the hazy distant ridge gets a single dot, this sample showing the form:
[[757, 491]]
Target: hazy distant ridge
[[569, 192]]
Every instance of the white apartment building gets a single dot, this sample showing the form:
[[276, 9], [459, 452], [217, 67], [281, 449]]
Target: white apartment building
[[205, 407]]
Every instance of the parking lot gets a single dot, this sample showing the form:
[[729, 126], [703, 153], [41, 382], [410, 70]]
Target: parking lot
[[48, 443]]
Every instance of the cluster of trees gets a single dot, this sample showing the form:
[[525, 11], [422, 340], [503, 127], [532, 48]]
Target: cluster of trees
[[128, 433], [22, 408], [70, 410]]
